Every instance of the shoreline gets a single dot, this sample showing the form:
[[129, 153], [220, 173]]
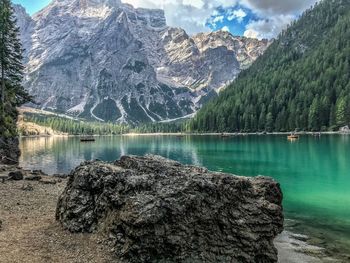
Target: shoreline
[[292, 248], [182, 134], [233, 134]]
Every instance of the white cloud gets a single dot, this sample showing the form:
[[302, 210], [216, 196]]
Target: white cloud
[[218, 19], [194, 3], [225, 28], [278, 7], [238, 14], [275, 15], [193, 15], [268, 28]]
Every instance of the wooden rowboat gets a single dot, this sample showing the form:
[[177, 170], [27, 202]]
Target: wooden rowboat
[[87, 139], [293, 137]]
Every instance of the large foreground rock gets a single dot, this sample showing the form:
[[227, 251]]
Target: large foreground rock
[[157, 210]]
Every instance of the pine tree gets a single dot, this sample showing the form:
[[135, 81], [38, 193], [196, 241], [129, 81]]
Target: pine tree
[[314, 116], [12, 93], [341, 112]]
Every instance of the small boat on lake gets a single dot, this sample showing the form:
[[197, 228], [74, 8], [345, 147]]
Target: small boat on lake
[[293, 137], [87, 139]]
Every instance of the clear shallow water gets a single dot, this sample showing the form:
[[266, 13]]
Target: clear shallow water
[[314, 172]]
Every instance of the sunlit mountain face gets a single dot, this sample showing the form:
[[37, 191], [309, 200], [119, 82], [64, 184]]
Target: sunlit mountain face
[[108, 61]]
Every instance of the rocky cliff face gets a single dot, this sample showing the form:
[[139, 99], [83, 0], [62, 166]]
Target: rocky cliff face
[[104, 60], [157, 210]]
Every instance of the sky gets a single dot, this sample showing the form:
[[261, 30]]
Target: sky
[[250, 18], [32, 6]]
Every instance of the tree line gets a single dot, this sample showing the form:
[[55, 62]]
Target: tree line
[[81, 127]]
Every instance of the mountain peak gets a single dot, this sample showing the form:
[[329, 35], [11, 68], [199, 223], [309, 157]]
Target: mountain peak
[[79, 8], [105, 60], [84, 3]]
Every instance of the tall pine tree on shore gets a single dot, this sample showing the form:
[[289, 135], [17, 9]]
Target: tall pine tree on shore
[[12, 93]]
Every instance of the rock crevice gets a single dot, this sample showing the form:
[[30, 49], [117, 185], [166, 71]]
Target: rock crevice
[[157, 210]]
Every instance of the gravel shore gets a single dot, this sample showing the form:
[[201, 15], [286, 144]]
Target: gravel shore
[[29, 232]]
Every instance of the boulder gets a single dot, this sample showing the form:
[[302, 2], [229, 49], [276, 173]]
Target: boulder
[[16, 175], [157, 210]]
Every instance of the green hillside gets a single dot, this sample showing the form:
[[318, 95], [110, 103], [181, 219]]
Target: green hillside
[[301, 82]]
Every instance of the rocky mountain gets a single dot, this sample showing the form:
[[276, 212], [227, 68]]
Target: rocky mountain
[[105, 60]]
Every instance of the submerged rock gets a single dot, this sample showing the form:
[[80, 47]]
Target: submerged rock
[[157, 210]]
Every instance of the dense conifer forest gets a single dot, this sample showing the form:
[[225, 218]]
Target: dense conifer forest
[[301, 82]]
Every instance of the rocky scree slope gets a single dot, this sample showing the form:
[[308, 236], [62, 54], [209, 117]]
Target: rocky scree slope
[[157, 210], [104, 60]]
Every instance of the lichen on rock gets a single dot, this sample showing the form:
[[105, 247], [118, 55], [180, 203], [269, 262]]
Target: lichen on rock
[[157, 210]]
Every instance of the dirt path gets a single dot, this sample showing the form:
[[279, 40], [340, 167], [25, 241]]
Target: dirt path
[[30, 233]]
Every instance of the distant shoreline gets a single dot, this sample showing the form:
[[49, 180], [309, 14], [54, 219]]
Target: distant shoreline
[[182, 134], [232, 134]]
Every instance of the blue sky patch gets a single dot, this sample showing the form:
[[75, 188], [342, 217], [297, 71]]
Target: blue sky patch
[[32, 6], [233, 19]]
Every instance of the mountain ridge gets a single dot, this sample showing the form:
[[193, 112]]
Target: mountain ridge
[[107, 61]]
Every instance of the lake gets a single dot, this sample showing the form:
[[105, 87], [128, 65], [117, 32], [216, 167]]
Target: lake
[[314, 172]]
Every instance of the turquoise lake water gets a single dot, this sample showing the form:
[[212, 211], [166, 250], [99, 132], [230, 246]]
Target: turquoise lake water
[[314, 173]]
